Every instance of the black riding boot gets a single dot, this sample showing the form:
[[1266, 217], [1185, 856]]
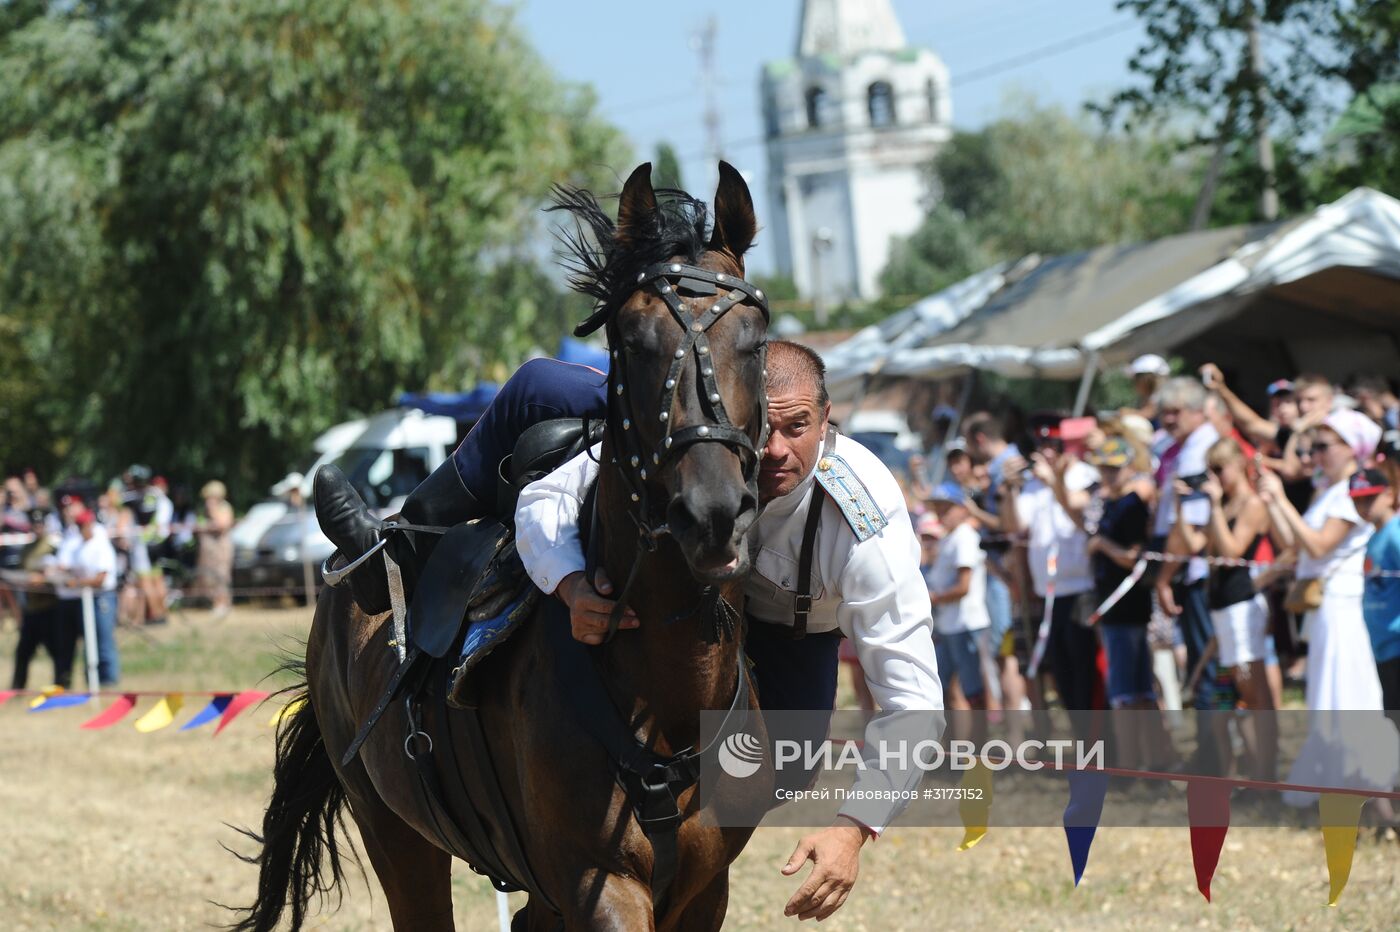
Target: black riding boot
[[440, 500]]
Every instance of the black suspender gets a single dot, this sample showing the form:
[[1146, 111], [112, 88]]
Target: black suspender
[[803, 601]]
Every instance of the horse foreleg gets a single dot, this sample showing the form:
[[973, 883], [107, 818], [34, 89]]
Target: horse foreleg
[[705, 911], [415, 874], [620, 904]]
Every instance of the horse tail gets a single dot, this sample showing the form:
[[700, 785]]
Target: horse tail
[[300, 857]]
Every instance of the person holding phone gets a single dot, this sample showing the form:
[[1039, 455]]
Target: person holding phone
[[1181, 586]]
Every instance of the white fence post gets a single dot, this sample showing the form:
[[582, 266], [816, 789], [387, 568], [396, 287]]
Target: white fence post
[[90, 639]]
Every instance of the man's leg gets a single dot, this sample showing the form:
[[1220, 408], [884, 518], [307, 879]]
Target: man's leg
[[108, 664], [797, 677], [1197, 630], [31, 635], [464, 486]]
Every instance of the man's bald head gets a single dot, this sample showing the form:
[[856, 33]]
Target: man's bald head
[[794, 369]]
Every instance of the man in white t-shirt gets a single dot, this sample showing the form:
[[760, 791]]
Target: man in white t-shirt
[[1182, 405], [1057, 551], [88, 560], [957, 588]]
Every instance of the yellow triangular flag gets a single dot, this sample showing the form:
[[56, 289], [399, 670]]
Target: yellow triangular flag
[[976, 804], [44, 695], [1340, 814], [161, 714], [286, 710]]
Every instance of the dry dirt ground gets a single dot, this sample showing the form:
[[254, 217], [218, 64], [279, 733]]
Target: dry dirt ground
[[116, 830]]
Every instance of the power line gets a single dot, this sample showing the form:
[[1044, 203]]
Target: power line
[[980, 74]]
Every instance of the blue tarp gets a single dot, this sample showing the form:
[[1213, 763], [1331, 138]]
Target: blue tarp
[[576, 351], [463, 406]]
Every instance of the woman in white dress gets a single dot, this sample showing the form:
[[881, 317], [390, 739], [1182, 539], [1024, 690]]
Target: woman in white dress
[[1353, 749]]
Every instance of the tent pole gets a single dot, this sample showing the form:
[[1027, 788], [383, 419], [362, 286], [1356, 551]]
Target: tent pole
[[964, 399], [1086, 382]]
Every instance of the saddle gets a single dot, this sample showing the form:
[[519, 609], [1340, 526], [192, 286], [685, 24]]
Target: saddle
[[474, 591]]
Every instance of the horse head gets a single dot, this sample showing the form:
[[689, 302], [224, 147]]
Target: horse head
[[687, 411]]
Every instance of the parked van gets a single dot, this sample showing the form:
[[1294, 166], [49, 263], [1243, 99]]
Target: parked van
[[384, 456]]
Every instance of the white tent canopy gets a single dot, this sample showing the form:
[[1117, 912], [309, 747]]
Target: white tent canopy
[[1317, 289]]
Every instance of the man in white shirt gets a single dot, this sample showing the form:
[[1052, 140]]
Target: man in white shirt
[[1058, 556], [1181, 591], [865, 584], [86, 559]]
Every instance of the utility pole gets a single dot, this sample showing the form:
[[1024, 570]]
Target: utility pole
[[1263, 142], [703, 41]]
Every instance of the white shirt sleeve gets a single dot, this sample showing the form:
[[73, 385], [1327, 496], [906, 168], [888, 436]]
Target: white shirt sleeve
[[547, 521], [885, 611]]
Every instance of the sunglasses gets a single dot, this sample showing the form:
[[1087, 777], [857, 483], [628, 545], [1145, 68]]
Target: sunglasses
[[1319, 445]]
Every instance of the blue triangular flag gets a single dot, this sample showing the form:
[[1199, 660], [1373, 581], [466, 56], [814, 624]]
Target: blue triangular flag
[[1087, 789], [213, 710], [61, 701]]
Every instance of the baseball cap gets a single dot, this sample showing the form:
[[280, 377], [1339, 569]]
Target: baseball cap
[[1150, 364], [949, 492], [1365, 483], [1115, 451], [1280, 387]]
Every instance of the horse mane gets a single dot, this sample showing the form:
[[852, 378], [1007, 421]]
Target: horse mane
[[604, 264]]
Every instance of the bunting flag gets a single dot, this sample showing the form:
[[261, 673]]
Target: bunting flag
[[213, 710], [59, 700], [1208, 811], [288, 709], [238, 705], [976, 805], [7, 694], [114, 713], [1340, 813], [1087, 789], [45, 694], [161, 714]]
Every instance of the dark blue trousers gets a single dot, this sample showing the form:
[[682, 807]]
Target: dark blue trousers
[[796, 682], [1197, 629], [540, 390]]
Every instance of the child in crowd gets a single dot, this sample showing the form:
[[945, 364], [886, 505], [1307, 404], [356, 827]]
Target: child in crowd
[[957, 584]]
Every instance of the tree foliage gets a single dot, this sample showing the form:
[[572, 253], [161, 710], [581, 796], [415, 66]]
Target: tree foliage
[[1039, 181], [225, 224]]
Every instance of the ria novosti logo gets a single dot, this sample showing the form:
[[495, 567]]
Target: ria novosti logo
[[740, 755]]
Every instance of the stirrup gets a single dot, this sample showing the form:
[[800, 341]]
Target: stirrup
[[334, 577]]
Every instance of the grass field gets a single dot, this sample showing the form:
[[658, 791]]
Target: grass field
[[116, 830]]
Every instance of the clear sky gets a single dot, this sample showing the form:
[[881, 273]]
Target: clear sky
[[638, 56]]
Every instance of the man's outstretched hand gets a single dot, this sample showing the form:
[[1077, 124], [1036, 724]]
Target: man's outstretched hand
[[835, 856], [589, 606]]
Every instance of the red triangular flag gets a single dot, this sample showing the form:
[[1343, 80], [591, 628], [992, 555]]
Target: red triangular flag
[[237, 705], [7, 694], [112, 714], [1208, 811]]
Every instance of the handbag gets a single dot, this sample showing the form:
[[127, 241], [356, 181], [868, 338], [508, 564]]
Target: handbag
[[1304, 595]]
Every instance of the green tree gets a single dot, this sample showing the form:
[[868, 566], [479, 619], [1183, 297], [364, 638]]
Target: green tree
[[666, 171], [1039, 181], [941, 251], [226, 224]]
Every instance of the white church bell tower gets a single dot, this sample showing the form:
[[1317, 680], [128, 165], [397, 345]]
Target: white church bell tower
[[851, 122]]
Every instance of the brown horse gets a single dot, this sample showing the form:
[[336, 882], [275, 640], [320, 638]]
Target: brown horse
[[591, 861]]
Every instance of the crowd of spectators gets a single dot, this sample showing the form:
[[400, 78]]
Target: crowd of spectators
[[124, 544], [1184, 551]]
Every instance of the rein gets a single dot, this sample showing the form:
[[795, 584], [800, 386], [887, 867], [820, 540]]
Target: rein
[[632, 459]]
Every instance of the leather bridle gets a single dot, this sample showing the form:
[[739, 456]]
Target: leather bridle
[[633, 460]]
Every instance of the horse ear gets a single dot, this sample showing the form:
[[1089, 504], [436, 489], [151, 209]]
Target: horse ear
[[636, 209], [735, 226]]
